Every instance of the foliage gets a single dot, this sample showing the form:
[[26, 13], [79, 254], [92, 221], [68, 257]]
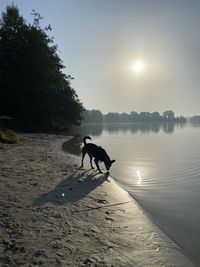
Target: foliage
[[169, 114], [8, 137], [195, 119], [92, 116], [33, 87], [112, 117]]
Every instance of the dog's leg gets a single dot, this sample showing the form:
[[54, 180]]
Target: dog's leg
[[96, 162], [83, 156], [91, 162]]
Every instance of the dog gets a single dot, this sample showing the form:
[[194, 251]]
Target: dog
[[96, 152]]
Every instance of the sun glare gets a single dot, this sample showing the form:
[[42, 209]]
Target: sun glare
[[138, 66]]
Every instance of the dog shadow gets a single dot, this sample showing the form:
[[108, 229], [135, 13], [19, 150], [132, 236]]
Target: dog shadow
[[73, 188]]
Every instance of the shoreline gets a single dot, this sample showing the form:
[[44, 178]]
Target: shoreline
[[55, 214]]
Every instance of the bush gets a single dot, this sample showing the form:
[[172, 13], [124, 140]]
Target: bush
[[8, 137]]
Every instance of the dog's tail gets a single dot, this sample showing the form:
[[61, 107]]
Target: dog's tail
[[85, 138]]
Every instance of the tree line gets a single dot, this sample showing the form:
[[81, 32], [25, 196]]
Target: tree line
[[33, 88], [195, 119], [96, 116]]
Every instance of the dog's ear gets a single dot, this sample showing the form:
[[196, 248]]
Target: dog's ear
[[112, 161]]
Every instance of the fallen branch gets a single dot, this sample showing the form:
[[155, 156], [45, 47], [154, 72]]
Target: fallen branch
[[100, 207]]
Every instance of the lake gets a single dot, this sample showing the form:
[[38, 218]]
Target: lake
[[159, 165]]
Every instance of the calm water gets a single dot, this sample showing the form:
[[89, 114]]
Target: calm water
[[159, 165]]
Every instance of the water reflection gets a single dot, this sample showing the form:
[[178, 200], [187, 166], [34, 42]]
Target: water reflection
[[90, 129], [195, 124], [159, 169], [73, 146], [139, 177], [97, 129]]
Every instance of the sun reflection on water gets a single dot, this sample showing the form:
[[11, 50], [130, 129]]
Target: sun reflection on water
[[139, 177]]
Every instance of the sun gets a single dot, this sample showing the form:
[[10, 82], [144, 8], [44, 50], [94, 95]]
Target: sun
[[138, 66]]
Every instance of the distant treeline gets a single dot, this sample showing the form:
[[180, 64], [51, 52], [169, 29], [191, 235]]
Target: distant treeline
[[96, 116], [195, 119]]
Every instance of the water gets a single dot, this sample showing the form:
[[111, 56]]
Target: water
[[159, 165]]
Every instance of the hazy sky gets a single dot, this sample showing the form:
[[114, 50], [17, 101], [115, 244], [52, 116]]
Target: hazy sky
[[99, 40]]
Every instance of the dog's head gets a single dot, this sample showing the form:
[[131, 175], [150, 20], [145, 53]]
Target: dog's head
[[108, 164]]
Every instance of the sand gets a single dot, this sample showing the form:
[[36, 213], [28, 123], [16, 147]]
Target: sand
[[52, 213]]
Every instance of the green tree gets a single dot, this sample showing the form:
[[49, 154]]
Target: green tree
[[134, 116], [32, 85], [169, 114], [96, 116], [112, 117]]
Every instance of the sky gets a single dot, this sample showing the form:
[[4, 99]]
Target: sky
[[100, 40]]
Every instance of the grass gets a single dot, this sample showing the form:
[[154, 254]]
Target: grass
[[8, 137]]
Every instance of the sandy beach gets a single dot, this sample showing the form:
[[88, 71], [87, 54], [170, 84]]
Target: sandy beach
[[52, 213]]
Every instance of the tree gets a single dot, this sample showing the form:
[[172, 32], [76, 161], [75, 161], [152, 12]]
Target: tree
[[144, 116], [96, 116], [112, 117], [92, 116], [124, 117], [195, 119], [86, 116], [169, 114], [32, 85], [155, 115], [133, 116]]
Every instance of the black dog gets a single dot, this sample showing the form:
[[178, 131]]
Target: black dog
[[96, 152]]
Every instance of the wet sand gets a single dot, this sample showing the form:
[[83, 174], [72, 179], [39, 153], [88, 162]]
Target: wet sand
[[54, 214]]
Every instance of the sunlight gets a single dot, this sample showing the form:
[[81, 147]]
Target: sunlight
[[139, 177], [138, 66]]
